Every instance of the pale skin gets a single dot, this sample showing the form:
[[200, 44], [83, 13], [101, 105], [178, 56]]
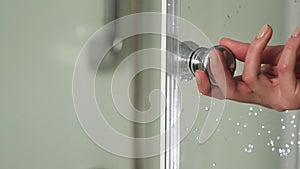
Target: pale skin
[[270, 77]]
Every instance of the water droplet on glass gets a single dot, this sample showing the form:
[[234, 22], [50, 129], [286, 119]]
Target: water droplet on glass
[[237, 123], [262, 127], [196, 129], [245, 125], [260, 109], [269, 132], [278, 137], [250, 113], [294, 117], [187, 129], [281, 120], [270, 143], [249, 148], [258, 134], [283, 127], [280, 150], [229, 119], [251, 109], [169, 4], [294, 125], [214, 164], [255, 114], [273, 149], [292, 122], [293, 134], [217, 120], [292, 142]]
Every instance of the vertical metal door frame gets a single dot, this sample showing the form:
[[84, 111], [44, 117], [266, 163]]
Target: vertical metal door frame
[[170, 121]]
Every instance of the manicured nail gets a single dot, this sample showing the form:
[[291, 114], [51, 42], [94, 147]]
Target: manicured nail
[[262, 31], [198, 79], [296, 32]]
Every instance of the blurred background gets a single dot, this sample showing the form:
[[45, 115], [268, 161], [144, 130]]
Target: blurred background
[[39, 45]]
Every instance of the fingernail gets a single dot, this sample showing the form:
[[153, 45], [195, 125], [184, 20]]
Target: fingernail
[[296, 32], [198, 80], [263, 31]]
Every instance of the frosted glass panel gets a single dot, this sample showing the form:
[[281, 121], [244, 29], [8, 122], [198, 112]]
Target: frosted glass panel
[[40, 43], [248, 136]]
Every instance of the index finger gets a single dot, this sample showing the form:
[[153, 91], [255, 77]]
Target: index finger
[[253, 57], [270, 54]]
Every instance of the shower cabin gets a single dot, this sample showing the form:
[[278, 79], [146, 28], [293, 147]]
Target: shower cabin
[[102, 85]]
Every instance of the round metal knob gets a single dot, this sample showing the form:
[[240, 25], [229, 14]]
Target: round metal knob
[[198, 58]]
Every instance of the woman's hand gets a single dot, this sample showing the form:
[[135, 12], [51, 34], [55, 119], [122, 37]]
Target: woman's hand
[[270, 76]]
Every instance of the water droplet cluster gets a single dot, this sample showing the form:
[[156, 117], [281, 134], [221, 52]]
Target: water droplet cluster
[[282, 144], [249, 148], [281, 140]]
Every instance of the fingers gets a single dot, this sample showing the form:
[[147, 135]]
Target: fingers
[[205, 87], [251, 72], [239, 49], [287, 63], [275, 86], [269, 56], [202, 82]]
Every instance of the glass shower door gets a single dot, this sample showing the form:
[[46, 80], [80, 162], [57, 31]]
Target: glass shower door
[[227, 134]]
